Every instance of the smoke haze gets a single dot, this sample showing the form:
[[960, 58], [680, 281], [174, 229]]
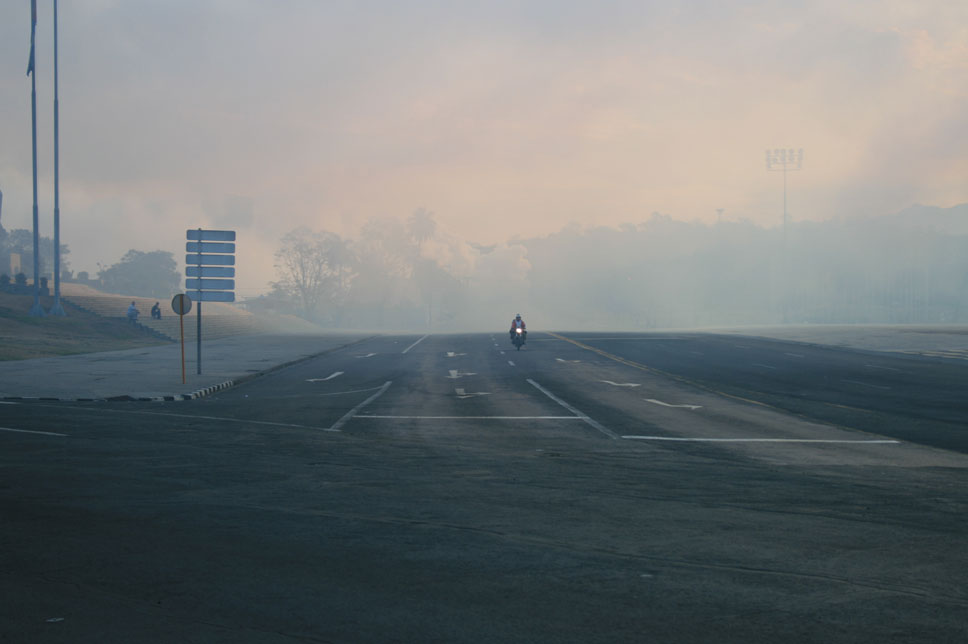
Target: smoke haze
[[530, 127]]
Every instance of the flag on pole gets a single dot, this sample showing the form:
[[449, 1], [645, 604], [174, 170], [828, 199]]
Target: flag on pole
[[33, 29]]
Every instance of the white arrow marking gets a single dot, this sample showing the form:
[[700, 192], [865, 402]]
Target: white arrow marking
[[329, 377], [622, 384], [462, 394], [659, 402], [369, 355], [454, 374]]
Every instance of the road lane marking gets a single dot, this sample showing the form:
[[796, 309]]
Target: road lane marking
[[794, 355], [874, 366], [451, 354], [470, 417], [665, 404], [622, 384], [30, 431], [761, 440], [369, 355], [414, 344], [247, 421], [221, 418], [332, 393], [329, 377], [577, 413], [455, 374], [511, 362], [664, 374], [864, 384], [349, 415], [560, 360], [765, 366]]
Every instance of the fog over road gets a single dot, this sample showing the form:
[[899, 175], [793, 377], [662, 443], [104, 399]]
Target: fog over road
[[589, 488]]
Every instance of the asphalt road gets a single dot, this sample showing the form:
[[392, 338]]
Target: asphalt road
[[589, 488]]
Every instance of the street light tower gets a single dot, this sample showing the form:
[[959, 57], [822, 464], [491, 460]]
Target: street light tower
[[56, 309], [785, 160]]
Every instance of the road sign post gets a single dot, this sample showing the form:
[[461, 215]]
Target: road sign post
[[210, 258], [182, 304]]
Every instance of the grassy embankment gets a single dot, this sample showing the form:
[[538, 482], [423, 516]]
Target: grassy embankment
[[23, 336]]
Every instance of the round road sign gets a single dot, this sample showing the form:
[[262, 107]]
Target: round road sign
[[181, 304]]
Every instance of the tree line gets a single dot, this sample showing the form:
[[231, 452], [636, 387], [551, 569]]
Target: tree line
[[145, 273], [658, 273]]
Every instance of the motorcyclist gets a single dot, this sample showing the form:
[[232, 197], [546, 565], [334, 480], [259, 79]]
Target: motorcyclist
[[518, 323]]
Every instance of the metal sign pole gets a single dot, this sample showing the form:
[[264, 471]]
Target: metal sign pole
[[181, 327], [209, 258], [182, 304]]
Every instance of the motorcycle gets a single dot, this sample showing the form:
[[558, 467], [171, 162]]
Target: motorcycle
[[519, 338]]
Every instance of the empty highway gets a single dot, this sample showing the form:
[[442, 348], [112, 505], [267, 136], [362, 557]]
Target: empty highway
[[589, 488]]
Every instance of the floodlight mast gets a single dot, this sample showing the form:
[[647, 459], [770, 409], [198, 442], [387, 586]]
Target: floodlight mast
[[56, 309], [36, 310], [784, 160]]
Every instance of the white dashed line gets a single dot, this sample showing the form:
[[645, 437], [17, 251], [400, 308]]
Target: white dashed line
[[874, 366], [765, 366], [864, 384], [511, 362]]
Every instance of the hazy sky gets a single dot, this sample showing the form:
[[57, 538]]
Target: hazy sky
[[502, 118]]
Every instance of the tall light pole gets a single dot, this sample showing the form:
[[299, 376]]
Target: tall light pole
[[785, 160], [56, 309], [36, 310]]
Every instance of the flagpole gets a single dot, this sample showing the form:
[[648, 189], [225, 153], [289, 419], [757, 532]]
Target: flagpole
[[36, 310], [56, 309]]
